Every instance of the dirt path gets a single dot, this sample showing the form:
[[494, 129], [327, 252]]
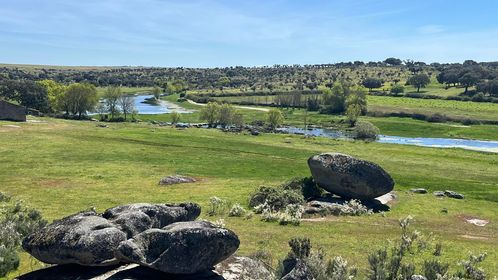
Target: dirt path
[[238, 107]]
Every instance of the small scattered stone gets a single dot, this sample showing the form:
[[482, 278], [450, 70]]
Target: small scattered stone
[[243, 268], [439, 193], [453, 194], [477, 222], [176, 179], [419, 190], [102, 125], [444, 210], [255, 132], [418, 277]]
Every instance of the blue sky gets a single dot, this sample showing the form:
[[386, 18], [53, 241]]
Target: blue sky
[[210, 33]]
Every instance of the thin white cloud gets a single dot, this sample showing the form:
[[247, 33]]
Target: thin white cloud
[[430, 29]]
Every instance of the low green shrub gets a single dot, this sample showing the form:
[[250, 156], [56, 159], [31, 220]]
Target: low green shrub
[[364, 130], [236, 211], [276, 198], [16, 222], [217, 206]]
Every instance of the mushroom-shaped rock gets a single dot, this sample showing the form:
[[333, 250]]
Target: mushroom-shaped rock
[[84, 238], [180, 248], [350, 177], [136, 218]]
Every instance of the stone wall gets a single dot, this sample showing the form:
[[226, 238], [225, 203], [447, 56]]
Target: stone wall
[[9, 111]]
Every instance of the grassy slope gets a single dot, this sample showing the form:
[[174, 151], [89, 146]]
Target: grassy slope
[[61, 167]]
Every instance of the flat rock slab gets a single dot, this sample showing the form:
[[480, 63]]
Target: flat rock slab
[[350, 177], [180, 248], [176, 179]]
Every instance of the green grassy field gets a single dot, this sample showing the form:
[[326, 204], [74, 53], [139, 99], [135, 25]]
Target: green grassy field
[[61, 167], [388, 104]]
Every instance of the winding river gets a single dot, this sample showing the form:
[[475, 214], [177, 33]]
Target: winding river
[[165, 107]]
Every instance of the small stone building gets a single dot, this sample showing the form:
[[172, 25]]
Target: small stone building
[[12, 112]]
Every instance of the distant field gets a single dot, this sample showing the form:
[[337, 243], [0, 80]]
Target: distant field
[[461, 109], [387, 104], [62, 167]]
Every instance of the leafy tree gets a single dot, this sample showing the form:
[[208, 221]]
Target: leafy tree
[[393, 61], [226, 113], [333, 99], [274, 118], [55, 91], [397, 89], [352, 113], [111, 96], [176, 86], [81, 97], [127, 104], [238, 120], [419, 81], [156, 91], [489, 87], [469, 79], [223, 82], [210, 113], [358, 97], [27, 93], [371, 83], [175, 117]]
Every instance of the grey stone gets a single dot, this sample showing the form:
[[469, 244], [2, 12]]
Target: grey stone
[[136, 218], [439, 193], [418, 277], [176, 179], [84, 238], [349, 177], [419, 190], [243, 268], [180, 248], [296, 269], [453, 194]]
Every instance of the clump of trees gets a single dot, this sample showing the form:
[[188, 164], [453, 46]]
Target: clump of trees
[[224, 115]]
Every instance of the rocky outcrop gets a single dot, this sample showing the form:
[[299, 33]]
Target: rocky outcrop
[[176, 179], [243, 268], [136, 218], [180, 248], [91, 239], [84, 238], [350, 177], [12, 112]]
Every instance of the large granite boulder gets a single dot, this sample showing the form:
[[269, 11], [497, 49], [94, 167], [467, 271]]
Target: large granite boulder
[[180, 248], [136, 218], [176, 179], [85, 238], [350, 177], [243, 268]]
